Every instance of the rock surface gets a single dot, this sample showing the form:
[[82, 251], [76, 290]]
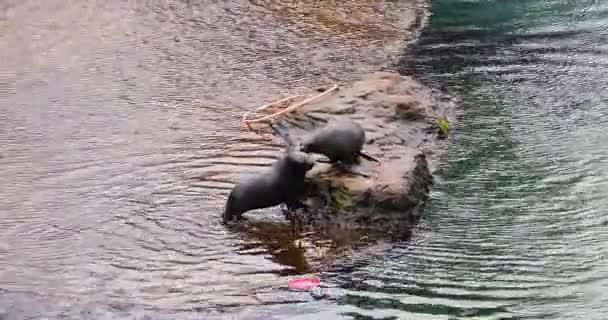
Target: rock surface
[[351, 214], [399, 116]]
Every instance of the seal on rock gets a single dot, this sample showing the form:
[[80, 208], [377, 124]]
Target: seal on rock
[[340, 141], [283, 183]]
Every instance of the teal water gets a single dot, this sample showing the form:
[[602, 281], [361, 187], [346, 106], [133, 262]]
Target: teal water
[[518, 226]]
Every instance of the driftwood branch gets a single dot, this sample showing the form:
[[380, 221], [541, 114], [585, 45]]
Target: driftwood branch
[[286, 110]]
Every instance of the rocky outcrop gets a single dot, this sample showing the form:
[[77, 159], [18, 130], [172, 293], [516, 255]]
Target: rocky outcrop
[[350, 213], [401, 119]]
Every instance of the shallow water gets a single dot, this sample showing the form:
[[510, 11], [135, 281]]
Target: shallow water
[[120, 138], [111, 190]]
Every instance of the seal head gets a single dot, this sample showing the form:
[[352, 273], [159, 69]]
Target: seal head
[[298, 161]]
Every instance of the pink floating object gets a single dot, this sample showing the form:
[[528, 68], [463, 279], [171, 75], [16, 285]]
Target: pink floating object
[[303, 283]]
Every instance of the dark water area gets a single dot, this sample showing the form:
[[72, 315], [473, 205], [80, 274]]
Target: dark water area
[[113, 178], [518, 227]]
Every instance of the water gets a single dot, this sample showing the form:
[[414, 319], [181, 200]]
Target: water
[[517, 229], [112, 192], [121, 136]]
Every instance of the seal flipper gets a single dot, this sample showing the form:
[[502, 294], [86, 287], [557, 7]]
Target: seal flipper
[[293, 218], [296, 204], [367, 157], [324, 161], [230, 212], [227, 215], [351, 170]]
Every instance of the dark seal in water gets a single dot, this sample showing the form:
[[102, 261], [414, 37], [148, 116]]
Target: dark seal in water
[[282, 184]]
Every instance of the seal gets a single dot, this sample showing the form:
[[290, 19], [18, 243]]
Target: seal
[[340, 141], [283, 183]]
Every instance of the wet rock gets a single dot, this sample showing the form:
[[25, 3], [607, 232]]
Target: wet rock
[[396, 112], [406, 107], [352, 213]]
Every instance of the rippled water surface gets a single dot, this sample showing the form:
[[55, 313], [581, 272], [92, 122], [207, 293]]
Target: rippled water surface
[[518, 228], [120, 138], [113, 178]]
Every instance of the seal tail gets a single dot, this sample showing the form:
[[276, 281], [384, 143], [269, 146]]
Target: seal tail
[[367, 157]]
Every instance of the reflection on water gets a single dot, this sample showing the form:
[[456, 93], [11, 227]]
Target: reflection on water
[[120, 138], [516, 229]]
